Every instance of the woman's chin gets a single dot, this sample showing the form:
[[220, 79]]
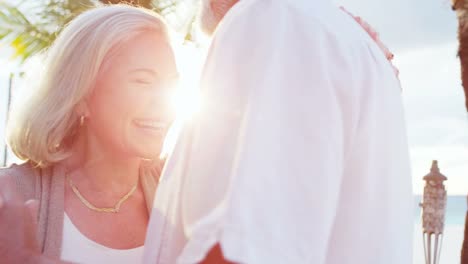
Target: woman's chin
[[149, 151], [146, 145]]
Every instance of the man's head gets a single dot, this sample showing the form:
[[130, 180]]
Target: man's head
[[212, 12]]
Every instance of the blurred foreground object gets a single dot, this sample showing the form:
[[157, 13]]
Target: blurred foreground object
[[461, 9], [464, 253]]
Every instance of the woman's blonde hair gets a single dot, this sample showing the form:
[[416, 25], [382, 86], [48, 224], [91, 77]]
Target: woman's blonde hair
[[39, 128]]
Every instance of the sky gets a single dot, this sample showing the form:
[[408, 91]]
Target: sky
[[423, 36]]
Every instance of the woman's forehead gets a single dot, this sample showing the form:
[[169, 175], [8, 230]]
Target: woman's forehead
[[147, 52]]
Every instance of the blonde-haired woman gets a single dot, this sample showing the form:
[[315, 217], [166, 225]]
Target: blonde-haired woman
[[91, 134]]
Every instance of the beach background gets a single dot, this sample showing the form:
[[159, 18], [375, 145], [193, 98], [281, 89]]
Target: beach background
[[422, 35]]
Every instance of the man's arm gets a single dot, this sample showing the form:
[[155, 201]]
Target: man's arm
[[215, 256]]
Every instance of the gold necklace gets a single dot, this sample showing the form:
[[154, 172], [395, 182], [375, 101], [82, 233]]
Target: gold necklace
[[114, 209]]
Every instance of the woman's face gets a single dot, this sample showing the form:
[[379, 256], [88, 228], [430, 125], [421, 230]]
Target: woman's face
[[129, 109]]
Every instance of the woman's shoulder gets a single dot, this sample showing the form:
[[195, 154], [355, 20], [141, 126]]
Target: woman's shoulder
[[18, 170], [22, 177]]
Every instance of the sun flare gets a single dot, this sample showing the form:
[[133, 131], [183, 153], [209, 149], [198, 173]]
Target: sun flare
[[186, 101]]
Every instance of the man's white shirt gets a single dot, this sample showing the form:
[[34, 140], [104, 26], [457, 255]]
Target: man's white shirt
[[299, 154]]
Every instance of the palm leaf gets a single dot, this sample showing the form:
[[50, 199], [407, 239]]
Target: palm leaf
[[33, 30], [142, 3], [19, 32]]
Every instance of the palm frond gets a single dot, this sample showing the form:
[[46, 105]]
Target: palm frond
[[19, 33], [142, 3], [30, 31]]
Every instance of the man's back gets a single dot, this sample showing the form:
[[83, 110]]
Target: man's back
[[300, 154]]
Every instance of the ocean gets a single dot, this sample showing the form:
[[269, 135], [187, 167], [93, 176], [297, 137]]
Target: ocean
[[455, 211]]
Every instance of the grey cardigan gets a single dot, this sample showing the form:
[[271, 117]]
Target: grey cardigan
[[48, 187]]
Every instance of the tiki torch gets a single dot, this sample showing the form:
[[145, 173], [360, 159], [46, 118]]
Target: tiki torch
[[433, 213]]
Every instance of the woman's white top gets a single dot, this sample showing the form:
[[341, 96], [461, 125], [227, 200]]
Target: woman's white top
[[299, 154], [77, 248]]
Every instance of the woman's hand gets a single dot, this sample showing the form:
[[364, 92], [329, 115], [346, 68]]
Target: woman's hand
[[18, 228]]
